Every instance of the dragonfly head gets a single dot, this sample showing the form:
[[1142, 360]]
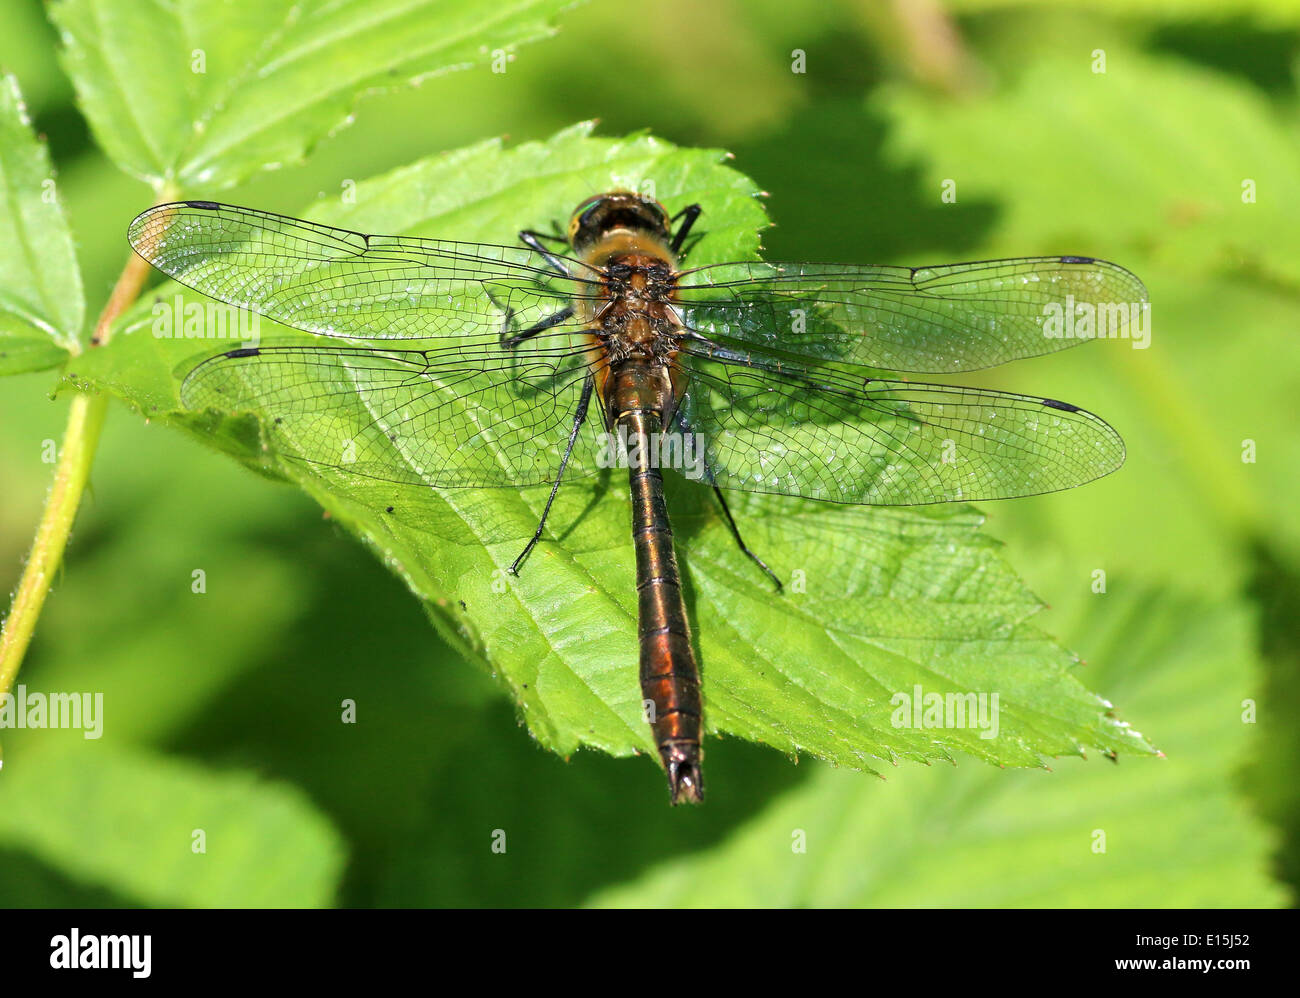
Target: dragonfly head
[[600, 216]]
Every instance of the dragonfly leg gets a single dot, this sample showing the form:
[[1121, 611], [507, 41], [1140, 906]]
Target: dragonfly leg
[[510, 342], [579, 417], [533, 240], [688, 215], [735, 532], [684, 425], [551, 237]]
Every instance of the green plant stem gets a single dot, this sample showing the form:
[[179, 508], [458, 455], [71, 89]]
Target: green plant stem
[[76, 455]]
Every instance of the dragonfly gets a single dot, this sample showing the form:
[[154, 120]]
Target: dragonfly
[[445, 364]]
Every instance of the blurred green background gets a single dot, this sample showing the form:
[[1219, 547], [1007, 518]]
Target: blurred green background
[[231, 699]]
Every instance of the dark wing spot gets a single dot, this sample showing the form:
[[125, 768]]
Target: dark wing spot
[[205, 205], [1078, 259], [243, 352], [1063, 406]]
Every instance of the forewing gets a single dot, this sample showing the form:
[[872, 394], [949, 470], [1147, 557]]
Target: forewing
[[831, 435], [936, 320], [336, 282], [414, 417]]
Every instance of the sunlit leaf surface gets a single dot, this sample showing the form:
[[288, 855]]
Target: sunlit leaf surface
[[41, 308], [206, 92], [175, 833]]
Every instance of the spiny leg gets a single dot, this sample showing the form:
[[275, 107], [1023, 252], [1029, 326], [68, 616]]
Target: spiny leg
[[735, 532], [688, 215], [510, 342], [556, 235], [685, 427], [533, 240], [579, 417]]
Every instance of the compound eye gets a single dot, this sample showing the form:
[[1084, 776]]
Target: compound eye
[[658, 212], [584, 209]]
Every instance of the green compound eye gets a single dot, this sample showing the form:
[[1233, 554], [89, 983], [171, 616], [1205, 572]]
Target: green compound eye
[[587, 206]]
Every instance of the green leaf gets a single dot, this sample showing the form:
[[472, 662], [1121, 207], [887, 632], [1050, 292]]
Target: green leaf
[[880, 601], [264, 843], [1146, 164], [41, 304], [1113, 148], [1171, 833], [203, 93]]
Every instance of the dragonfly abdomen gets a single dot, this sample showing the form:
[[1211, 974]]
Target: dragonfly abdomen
[[670, 678]]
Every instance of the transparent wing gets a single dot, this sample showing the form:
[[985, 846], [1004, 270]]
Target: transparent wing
[[336, 282], [936, 320], [833, 435], [414, 417]]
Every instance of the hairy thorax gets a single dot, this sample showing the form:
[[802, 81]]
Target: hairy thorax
[[632, 322]]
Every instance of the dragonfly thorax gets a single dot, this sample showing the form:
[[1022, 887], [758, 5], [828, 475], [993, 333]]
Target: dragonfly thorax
[[633, 316]]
